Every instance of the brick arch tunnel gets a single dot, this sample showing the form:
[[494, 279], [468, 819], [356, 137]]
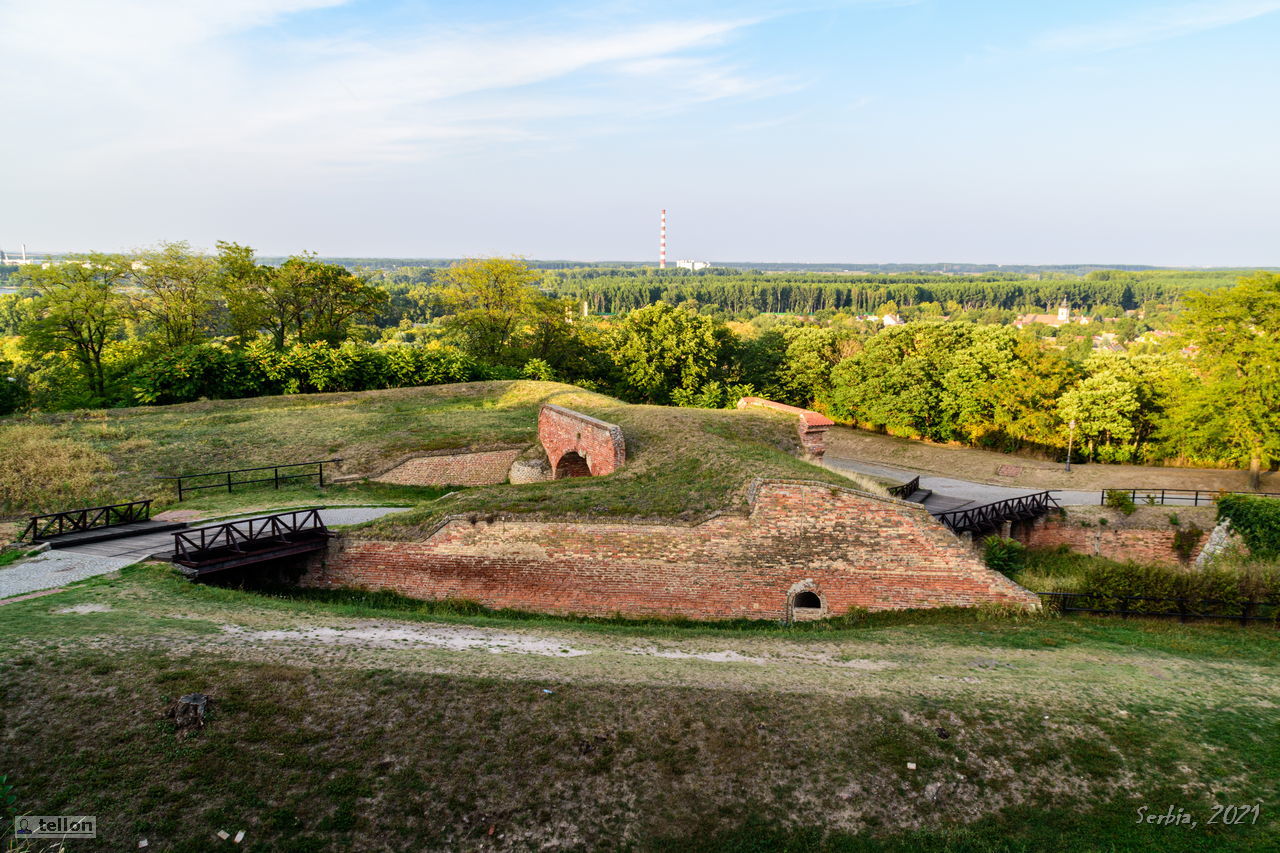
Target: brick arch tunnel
[[572, 464], [579, 445]]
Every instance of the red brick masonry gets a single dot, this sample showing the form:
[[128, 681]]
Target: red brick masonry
[[1140, 544], [563, 431], [851, 548], [813, 426], [453, 469]]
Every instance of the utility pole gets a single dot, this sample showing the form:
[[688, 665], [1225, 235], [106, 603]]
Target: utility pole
[[1071, 438]]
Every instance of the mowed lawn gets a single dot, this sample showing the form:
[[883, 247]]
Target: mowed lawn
[[680, 461], [349, 722]]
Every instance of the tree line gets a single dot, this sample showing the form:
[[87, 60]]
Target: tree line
[[170, 325]]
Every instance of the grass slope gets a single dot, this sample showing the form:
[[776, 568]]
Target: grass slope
[[681, 461], [1026, 734]]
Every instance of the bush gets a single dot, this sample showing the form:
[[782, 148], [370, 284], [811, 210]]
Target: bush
[[1185, 541], [1257, 520], [1121, 500], [1217, 588], [217, 372], [1007, 556]]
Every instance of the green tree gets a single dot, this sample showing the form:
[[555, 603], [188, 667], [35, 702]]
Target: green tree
[[176, 294], [316, 301], [79, 309], [1233, 412], [661, 348], [243, 286], [490, 300]]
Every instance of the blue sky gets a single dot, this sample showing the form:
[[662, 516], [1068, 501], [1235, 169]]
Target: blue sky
[[1127, 131]]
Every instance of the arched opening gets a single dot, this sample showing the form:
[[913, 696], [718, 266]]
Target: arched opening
[[572, 465], [807, 600]]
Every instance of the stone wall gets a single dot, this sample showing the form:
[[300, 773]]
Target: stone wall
[[850, 548], [811, 426], [1144, 537], [579, 444], [451, 468]]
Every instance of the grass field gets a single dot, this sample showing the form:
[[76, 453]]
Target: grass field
[[681, 462], [350, 721]]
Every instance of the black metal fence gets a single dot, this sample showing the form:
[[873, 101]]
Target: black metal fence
[[87, 518], [1176, 497], [193, 547], [905, 490], [991, 516], [1182, 609], [226, 479]]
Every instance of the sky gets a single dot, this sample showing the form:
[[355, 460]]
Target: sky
[[873, 131]]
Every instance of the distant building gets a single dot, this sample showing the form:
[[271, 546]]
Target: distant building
[[891, 320], [692, 265], [1062, 318]]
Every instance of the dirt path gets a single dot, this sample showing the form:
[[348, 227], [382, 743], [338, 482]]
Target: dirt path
[[1002, 469]]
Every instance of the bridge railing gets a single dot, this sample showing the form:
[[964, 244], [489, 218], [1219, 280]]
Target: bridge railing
[[992, 515], [228, 480], [905, 490], [192, 546], [85, 518], [1176, 497]]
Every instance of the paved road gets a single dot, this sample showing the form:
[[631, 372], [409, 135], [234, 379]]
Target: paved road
[[67, 565], [953, 494]]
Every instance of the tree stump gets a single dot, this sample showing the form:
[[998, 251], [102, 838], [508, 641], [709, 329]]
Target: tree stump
[[188, 712]]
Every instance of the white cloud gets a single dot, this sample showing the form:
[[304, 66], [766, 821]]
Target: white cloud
[[1157, 24], [144, 77]]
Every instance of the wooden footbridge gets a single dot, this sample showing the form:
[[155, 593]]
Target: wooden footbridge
[[990, 518], [248, 541]]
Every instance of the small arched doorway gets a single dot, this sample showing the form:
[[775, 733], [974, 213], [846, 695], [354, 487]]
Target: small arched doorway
[[572, 464], [807, 600]]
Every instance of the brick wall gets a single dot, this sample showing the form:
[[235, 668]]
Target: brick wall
[[851, 548], [562, 431], [1141, 540], [453, 469], [811, 426]]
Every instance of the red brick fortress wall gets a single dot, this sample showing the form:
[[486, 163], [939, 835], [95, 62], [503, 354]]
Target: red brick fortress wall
[[563, 431], [812, 427], [1146, 537], [850, 548]]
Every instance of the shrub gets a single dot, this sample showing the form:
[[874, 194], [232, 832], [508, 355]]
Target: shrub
[[1257, 520], [1185, 541], [1007, 556], [1121, 500], [1216, 588]]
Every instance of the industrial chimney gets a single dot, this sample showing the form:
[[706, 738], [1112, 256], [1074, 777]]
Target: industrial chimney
[[662, 242]]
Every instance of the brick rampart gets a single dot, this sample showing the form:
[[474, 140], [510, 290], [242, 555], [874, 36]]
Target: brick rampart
[[850, 548], [1118, 540], [811, 426], [563, 431]]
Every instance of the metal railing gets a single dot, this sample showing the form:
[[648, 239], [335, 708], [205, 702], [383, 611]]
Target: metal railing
[[87, 518], [1177, 497], [227, 479], [905, 490], [1181, 608], [245, 535], [991, 516]]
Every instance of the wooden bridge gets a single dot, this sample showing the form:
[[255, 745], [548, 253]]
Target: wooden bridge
[[989, 518], [248, 541], [93, 524]]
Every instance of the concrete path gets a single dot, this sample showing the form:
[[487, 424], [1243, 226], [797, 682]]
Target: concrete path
[[954, 494], [67, 565]]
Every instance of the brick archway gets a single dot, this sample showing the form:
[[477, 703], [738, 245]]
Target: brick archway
[[597, 447], [572, 464]]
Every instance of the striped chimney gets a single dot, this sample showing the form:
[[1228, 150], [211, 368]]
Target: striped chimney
[[662, 242]]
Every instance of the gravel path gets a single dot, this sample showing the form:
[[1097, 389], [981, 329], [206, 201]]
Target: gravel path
[[67, 565]]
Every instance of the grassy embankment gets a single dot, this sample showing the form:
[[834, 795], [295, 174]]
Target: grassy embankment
[[681, 462], [380, 724]]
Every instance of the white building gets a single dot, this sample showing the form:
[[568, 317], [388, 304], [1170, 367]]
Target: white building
[[692, 265]]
